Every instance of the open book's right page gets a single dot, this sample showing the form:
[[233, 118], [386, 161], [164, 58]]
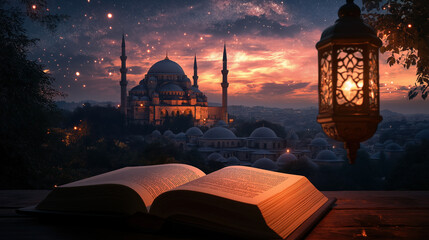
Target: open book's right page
[[243, 184]]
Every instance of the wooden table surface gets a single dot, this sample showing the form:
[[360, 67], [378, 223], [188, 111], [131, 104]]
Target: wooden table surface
[[356, 215]]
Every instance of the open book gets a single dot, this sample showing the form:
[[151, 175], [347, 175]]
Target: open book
[[236, 200]]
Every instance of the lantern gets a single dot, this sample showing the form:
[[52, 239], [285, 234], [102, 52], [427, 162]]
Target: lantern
[[349, 102]]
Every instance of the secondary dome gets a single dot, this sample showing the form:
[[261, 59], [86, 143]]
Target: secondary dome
[[232, 161], [263, 132], [319, 142], [166, 66], [168, 133], [423, 135], [219, 133], [170, 88], [393, 147], [194, 131], [326, 155], [156, 133], [181, 136], [285, 160], [214, 156], [265, 163], [138, 90]]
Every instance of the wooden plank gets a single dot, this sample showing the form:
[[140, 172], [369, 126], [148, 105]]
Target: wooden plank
[[380, 199], [21, 198], [27, 228], [357, 215], [387, 233], [376, 218]]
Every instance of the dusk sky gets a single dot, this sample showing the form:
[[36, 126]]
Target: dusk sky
[[272, 58]]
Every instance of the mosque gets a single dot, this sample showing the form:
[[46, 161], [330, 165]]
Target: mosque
[[166, 91]]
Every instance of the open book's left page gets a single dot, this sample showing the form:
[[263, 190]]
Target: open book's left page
[[127, 190]]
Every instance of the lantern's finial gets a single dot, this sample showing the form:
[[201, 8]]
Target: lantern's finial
[[352, 148], [349, 10]]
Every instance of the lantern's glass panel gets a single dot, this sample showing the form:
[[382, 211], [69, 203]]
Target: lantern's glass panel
[[373, 79], [325, 93], [350, 76]]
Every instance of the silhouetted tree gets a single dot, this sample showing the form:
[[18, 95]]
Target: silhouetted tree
[[411, 171], [26, 93], [404, 28]]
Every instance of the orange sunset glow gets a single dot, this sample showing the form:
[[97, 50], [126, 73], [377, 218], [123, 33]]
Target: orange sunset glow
[[272, 57]]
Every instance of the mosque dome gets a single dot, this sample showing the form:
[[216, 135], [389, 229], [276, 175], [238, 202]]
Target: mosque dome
[[171, 87], [166, 66], [326, 155], [214, 156], [393, 147], [320, 135], [181, 136], [286, 159], [222, 160], [156, 133], [233, 161], [168, 133], [265, 163], [292, 136], [379, 145], [138, 90], [376, 156], [194, 131], [319, 142], [423, 135], [219, 133], [263, 132]]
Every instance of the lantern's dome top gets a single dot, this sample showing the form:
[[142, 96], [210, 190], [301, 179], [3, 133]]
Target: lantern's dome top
[[349, 28], [349, 10]]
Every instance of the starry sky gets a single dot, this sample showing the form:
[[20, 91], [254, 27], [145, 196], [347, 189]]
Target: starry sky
[[272, 58]]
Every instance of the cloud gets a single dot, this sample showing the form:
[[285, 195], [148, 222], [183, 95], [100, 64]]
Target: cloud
[[254, 25], [270, 89]]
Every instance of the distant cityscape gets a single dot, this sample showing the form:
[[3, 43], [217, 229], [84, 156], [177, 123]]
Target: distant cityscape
[[302, 138]]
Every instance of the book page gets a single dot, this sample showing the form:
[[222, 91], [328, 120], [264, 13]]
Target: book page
[[147, 181], [245, 184]]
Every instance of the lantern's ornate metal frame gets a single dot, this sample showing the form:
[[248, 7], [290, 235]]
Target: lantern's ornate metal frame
[[349, 101]]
